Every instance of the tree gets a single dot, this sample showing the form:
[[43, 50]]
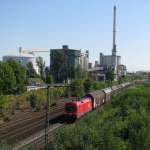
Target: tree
[[7, 79], [110, 74], [77, 88], [41, 64], [31, 71], [48, 76], [88, 85], [33, 100], [20, 75], [80, 73]]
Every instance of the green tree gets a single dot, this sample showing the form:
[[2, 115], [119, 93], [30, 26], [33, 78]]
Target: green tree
[[80, 73], [76, 88], [48, 76], [41, 64], [33, 100], [110, 75], [49, 79], [20, 74], [138, 131], [88, 85], [7, 79], [31, 73], [122, 124]]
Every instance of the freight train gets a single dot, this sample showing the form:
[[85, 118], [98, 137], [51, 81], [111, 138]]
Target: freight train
[[77, 108]]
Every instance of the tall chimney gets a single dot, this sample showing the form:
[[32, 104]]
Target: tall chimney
[[114, 32]]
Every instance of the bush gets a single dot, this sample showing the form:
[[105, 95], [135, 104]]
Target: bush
[[123, 124], [88, 85], [20, 75], [76, 88], [33, 100], [49, 79], [7, 79]]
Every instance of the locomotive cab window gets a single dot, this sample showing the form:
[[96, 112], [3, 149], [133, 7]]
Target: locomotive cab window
[[70, 108]]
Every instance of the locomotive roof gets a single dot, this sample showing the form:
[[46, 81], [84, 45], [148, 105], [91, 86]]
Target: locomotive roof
[[79, 101]]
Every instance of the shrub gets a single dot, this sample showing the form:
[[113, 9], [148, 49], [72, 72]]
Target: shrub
[[88, 85], [76, 88], [123, 123], [33, 100]]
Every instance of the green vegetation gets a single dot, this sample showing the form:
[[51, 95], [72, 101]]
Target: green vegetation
[[122, 124], [80, 87], [31, 73], [77, 88], [48, 77], [80, 73], [90, 85], [7, 78], [20, 75], [34, 100], [41, 65], [11, 103], [12, 77], [110, 75]]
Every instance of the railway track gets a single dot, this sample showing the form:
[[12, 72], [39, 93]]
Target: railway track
[[37, 141], [17, 118], [23, 128], [20, 122], [30, 123]]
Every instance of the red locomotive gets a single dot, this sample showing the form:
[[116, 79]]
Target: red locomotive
[[78, 108]]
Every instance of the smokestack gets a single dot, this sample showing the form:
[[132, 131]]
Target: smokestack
[[114, 32]]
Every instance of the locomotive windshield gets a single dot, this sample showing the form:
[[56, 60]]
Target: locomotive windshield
[[70, 108]]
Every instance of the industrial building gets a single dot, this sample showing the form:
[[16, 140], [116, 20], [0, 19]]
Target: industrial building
[[73, 60], [112, 61], [84, 59], [109, 62], [97, 73], [122, 70], [23, 59]]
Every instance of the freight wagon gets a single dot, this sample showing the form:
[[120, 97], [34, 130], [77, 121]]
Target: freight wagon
[[76, 109]]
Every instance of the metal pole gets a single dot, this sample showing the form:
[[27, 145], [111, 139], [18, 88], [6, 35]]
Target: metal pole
[[47, 118], [47, 111]]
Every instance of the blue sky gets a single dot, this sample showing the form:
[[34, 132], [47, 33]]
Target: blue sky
[[81, 24]]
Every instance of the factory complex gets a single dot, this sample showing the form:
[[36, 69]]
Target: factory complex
[[65, 62]]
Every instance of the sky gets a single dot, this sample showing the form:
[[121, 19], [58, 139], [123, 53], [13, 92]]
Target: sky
[[81, 24]]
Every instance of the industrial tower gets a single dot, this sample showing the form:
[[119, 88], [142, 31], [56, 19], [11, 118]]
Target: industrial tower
[[114, 32], [114, 55]]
